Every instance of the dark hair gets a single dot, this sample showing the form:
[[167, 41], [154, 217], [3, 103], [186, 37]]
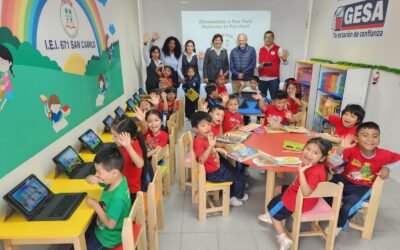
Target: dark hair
[[217, 36], [210, 88], [280, 94], [218, 75], [255, 78], [233, 97], [149, 102], [154, 112], [170, 90], [366, 125], [356, 110], [198, 117], [156, 91], [269, 32], [177, 50], [194, 45], [216, 107], [191, 67], [324, 145], [153, 48], [291, 81], [170, 68], [110, 157], [6, 55]]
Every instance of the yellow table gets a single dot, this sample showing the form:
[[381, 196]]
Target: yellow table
[[16, 230], [106, 137], [86, 155]]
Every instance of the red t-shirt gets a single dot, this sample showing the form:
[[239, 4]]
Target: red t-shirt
[[314, 176], [292, 106], [222, 89], [231, 120], [130, 170], [362, 171], [341, 130], [200, 145], [170, 107], [152, 141], [216, 129], [273, 112]]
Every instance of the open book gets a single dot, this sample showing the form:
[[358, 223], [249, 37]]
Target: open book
[[293, 146], [250, 127], [264, 159], [234, 136], [287, 129], [241, 153]]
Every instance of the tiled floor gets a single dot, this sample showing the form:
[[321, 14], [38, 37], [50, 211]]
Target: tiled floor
[[242, 230]]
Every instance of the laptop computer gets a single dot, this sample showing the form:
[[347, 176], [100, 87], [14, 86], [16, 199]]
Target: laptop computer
[[69, 162], [91, 141], [119, 112], [108, 123], [131, 105], [36, 202], [136, 98]]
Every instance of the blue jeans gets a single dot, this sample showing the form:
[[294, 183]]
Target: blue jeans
[[227, 172], [271, 86], [92, 243]]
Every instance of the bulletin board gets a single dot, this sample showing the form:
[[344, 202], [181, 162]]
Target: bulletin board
[[59, 65]]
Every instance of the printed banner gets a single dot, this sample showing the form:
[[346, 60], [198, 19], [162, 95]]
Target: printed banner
[[59, 65], [359, 19]]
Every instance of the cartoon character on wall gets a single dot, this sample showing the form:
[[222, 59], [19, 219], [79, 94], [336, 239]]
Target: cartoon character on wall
[[6, 64], [54, 112], [102, 93]]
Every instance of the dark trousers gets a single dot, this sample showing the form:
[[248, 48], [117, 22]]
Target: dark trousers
[[227, 172], [92, 243], [353, 197], [190, 107], [271, 86]]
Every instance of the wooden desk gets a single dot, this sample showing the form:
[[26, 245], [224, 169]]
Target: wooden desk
[[16, 230], [272, 144]]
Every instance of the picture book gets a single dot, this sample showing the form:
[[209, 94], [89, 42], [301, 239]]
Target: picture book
[[250, 127], [293, 146], [242, 153], [192, 95]]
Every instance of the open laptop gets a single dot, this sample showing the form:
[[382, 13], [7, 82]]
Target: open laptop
[[91, 141], [108, 123], [131, 105], [136, 98], [36, 202], [119, 112], [69, 162]]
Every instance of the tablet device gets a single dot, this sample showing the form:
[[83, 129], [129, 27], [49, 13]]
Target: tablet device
[[130, 105], [108, 122], [91, 141], [119, 112], [136, 98]]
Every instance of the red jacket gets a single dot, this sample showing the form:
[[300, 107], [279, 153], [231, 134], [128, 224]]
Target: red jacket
[[272, 56]]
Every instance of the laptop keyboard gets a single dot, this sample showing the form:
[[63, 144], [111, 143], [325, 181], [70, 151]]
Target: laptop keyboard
[[63, 205]]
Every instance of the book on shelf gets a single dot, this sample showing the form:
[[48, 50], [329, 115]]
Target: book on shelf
[[241, 153], [234, 136]]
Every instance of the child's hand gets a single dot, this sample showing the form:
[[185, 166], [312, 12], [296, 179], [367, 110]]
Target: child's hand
[[164, 96], [205, 80], [212, 140], [240, 76], [155, 99], [91, 202], [285, 54], [124, 139], [257, 96], [304, 168], [139, 114], [384, 173], [347, 142], [200, 56], [224, 97], [222, 151], [155, 37], [92, 179], [289, 115], [241, 83], [328, 103], [204, 107], [145, 39]]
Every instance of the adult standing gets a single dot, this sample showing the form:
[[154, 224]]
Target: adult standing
[[152, 58], [188, 59], [270, 58], [242, 61], [215, 60]]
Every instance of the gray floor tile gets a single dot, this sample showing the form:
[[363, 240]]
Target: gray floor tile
[[385, 240], [236, 241], [173, 222], [235, 222], [348, 240], [266, 240], [199, 241], [391, 217], [169, 241], [192, 224]]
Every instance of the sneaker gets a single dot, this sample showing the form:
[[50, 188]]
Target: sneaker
[[265, 218], [247, 186], [246, 172], [285, 243], [245, 197], [338, 230], [235, 202]]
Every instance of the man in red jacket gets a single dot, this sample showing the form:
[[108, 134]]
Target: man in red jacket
[[269, 61]]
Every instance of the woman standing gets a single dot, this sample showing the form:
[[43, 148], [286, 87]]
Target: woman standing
[[152, 58], [188, 59], [215, 60]]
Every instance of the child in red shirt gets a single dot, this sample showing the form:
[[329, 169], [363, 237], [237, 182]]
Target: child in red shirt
[[169, 104], [217, 114], [220, 80], [365, 162], [217, 169], [232, 119], [130, 141], [293, 90], [165, 72], [311, 173], [276, 114]]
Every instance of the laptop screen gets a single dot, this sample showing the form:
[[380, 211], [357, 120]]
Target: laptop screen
[[119, 112], [131, 104], [69, 160], [30, 194], [91, 139], [108, 121]]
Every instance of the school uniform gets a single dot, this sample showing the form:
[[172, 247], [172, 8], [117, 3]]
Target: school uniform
[[340, 129], [273, 112], [191, 106], [231, 120]]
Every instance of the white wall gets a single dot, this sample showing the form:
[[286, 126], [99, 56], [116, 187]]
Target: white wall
[[382, 98], [288, 21], [128, 29]]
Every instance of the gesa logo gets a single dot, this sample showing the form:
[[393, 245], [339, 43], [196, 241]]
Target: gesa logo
[[361, 15]]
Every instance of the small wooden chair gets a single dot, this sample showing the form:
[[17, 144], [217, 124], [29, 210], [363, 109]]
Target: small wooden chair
[[181, 112], [300, 117], [172, 125], [172, 163], [369, 210], [185, 149], [163, 154], [203, 188], [321, 212], [134, 227]]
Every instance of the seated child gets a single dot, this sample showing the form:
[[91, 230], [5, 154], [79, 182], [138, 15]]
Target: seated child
[[152, 103], [251, 86], [166, 72], [115, 204], [217, 114], [217, 169], [169, 104], [293, 90], [365, 162], [213, 98], [220, 81], [232, 119], [276, 113], [130, 141], [192, 82], [352, 115], [312, 172]]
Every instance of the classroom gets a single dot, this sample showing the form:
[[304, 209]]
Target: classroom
[[182, 124]]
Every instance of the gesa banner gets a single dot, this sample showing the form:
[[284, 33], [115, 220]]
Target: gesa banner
[[359, 19], [59, 65]]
